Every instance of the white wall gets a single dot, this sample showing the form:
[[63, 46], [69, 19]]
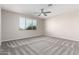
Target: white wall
[[64, 26], [0, 26], [10, 30]]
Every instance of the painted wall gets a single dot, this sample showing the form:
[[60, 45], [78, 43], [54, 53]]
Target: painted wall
[[0, 26], [63, 26], [10, 29]]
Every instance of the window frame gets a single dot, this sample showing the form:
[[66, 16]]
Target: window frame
[[26, 18]]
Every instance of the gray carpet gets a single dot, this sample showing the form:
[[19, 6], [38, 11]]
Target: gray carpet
[[41, 46]]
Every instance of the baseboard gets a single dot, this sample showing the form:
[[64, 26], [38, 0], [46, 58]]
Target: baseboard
[[23, 38], [40, 36], [61, 38]]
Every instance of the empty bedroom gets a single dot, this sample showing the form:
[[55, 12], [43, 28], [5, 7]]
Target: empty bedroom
[[39, 29]]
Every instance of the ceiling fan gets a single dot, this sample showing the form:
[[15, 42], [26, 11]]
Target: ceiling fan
[[44, 13]]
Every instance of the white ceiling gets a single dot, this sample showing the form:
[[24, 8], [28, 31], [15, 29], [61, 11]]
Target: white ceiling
[[56, 9]]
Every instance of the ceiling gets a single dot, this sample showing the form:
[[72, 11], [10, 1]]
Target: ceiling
[[56, 9]]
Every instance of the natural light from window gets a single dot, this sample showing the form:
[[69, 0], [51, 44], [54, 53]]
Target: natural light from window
[[27, 23]]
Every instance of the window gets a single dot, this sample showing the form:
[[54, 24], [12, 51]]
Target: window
[[27, 23], [34, 24], [22, 23]]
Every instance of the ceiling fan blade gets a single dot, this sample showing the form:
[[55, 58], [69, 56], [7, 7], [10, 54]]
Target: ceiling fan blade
[[50, 5], [47, 12], [42, 10]]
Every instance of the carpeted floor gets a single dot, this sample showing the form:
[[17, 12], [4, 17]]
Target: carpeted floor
[[43, 45]]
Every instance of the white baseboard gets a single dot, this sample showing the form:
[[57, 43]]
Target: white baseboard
[[22, 38], [61, 38]]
